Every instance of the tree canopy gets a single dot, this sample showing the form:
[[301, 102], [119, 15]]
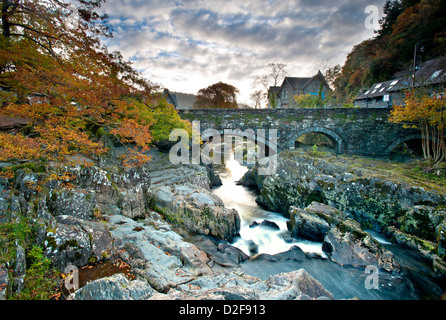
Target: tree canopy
[[406, 23], [55, 72], [219, 95]]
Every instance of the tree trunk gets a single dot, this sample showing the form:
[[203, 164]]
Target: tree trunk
[[6, 26]]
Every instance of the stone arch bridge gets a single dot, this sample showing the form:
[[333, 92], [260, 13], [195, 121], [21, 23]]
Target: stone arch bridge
[[355, 131]]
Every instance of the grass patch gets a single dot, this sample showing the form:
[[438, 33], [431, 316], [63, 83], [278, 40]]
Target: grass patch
[[412, 173], [40, 281]]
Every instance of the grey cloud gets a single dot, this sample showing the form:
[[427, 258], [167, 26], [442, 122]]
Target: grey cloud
[[234, 39]]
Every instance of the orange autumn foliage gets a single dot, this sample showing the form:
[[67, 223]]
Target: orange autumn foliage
[[70, 87], [427, 113]]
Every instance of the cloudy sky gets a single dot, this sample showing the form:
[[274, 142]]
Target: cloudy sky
[[191, 44]]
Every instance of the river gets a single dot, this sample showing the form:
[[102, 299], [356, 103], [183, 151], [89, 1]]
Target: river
[[266, 247]]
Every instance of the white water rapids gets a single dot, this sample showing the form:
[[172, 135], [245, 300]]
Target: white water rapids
[[266, 239]]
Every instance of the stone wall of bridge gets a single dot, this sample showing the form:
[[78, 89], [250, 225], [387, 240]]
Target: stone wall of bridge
[[360, 131]]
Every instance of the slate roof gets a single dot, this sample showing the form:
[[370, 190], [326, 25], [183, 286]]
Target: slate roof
[[301, 83], [274, 90], [382, 88], [181, 101], [185, 101], [297, 83], [430, 73]]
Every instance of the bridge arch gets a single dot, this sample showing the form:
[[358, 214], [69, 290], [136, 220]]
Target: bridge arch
[[340, 145], [252, 135], [400, 140]]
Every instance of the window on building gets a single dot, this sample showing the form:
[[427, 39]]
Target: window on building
[[284, 94]]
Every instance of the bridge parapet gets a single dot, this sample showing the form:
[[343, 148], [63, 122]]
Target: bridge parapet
[[361, 131]]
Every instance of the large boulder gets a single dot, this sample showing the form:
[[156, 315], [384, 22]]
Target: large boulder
[[220, 252], [308, 226], [73, 241], [155, 252], [344, 241], [350, 248], [116, 287], [197, 210]]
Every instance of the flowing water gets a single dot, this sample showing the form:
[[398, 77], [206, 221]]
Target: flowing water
[[266, 239], [263, 243]]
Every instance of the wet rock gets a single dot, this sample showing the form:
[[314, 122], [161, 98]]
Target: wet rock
[[254, 224], [344, 241], [253, 247], [213, 177], [116, 287], [294, 253], [297, 284], [220, 252], [265, 223], [307, 226], [235, 285], [270, 224], [347, 248]]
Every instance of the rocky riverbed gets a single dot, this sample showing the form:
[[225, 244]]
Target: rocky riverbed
[[148, 217], [175, 235], [349, 198]]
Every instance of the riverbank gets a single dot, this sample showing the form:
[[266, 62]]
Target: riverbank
[[393, 198], [149, 218], [272, 248], [165, 223]]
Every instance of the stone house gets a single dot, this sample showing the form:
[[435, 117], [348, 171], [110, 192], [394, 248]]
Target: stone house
[[431, 76], [292, 86], [383, 94]]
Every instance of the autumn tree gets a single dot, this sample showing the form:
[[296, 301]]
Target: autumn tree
[[55, 72], [220, 96], [426, 112]]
